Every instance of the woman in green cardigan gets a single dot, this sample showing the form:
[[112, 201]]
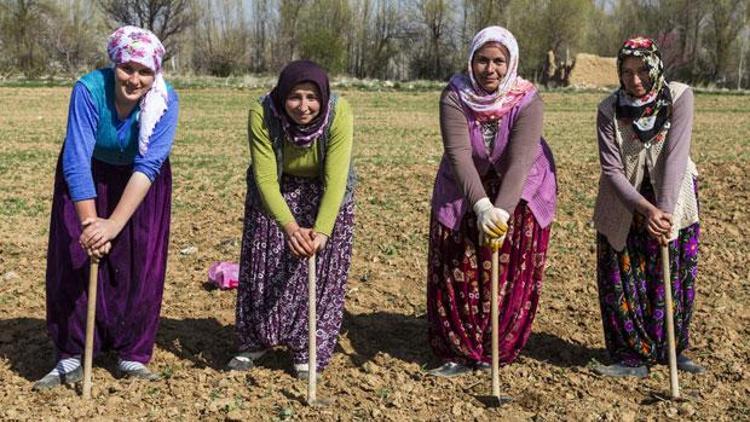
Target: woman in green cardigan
[[299, 203]]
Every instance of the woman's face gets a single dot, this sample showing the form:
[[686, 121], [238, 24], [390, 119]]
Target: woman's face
[[635, 77], [132, 81], [489, 65], [303, 103]]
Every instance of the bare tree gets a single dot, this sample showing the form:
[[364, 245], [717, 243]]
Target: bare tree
[[358, 42], [324, 25], [165, 18], [289, 13], [727, 20], [76, 43], [261, 17], [221, 39], [695, 12], [542, 26], [25, 25], [375, 44], [388, 28], [482, 13], [435, 16]]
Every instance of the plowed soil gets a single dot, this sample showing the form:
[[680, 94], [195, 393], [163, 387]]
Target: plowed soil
[[378, 372]]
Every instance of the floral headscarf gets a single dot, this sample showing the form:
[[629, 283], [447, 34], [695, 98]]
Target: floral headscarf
[[133, 44], [493, 106], [650, 113]]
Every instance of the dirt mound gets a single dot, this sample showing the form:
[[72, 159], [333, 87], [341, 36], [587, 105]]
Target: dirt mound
[[592, 71]]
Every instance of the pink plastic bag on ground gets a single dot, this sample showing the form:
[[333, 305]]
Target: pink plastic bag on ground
[[224, 275]]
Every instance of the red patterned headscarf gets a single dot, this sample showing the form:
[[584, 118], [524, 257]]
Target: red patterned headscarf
[[651, 112]]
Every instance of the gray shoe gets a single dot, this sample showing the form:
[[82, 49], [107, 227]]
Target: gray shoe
[[305, 375], [483, 366], [622, 370], [684, 363], [241, 362], [140, 373], [449, 370], [52, 381]]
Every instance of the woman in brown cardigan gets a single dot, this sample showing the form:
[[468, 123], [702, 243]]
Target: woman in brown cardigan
[[647, 197]]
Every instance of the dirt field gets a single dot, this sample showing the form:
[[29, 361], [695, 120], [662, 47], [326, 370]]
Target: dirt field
[[378, 372]]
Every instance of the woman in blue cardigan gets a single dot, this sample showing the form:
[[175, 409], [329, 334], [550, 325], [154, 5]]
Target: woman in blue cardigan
[[112, 201]]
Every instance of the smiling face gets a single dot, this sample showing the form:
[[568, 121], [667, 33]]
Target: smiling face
[[635, 77], [490, 65], [132, 81], [302, 104]]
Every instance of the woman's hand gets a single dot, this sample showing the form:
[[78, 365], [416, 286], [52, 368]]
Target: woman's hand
[[319, 241], [659, 224], [99, 252], [97, 232], [300, 240], [494, 242], [491, 220]]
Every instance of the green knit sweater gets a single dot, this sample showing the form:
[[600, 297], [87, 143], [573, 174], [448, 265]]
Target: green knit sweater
[[303, 162]]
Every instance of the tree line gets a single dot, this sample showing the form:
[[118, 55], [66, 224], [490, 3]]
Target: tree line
[[703, 41]]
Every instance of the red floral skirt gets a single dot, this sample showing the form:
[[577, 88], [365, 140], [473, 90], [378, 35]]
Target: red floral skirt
[[458, 288]]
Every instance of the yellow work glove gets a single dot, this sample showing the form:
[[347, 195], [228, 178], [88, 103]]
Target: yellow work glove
[[494, 242]]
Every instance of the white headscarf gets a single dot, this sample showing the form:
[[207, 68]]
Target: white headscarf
[[511, 89]]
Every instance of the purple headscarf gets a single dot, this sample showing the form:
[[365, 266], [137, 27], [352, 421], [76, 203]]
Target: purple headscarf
[[293, 74]]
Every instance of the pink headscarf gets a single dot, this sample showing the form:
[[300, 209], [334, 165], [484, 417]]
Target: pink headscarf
[[133, 44], [484, 106]]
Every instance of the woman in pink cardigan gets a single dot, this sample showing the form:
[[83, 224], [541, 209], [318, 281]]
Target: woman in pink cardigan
[[497, 176]]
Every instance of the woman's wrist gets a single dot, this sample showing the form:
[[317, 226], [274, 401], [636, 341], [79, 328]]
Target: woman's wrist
[[118, 224], [290, 228], [645, 207], [85, 209], [482, 205]]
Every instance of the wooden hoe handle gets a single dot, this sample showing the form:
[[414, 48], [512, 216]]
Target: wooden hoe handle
[[669, 316], [312, 361], [88, 354]]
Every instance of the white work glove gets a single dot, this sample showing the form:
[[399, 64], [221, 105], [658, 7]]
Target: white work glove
[[492, 222]]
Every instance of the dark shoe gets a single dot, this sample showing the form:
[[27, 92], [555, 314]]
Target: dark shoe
[[483, 366], [621, 370], [52, 381], [140, 373], [241, 362], [685, 364], [449, 370]]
